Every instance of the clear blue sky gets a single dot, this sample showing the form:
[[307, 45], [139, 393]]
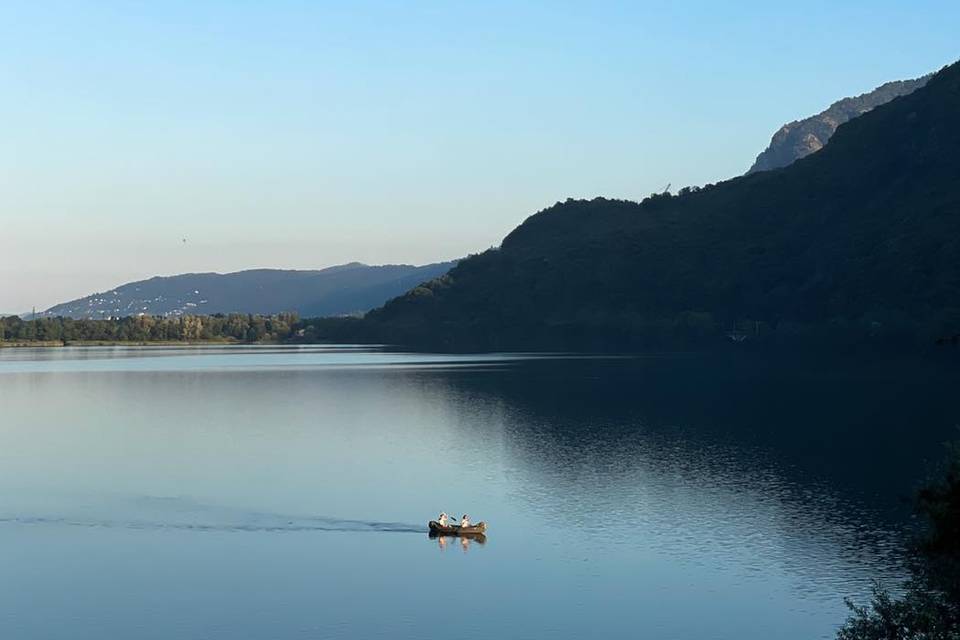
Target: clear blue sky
[[304, 134]]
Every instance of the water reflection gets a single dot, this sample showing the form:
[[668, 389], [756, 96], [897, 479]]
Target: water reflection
[[464, 539], [649, 494], [807, 468], [869, 429]]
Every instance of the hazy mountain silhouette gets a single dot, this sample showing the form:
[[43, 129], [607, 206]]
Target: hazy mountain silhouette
[[345, 289], [860, 240], [800, 138]]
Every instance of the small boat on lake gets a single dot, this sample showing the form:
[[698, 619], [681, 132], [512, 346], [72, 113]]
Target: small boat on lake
[[456, 530]]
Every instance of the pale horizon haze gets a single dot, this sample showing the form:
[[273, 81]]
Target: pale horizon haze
[[307, 134]]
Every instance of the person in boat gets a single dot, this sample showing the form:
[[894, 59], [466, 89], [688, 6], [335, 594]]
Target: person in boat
[[465, 521], [443, 520]]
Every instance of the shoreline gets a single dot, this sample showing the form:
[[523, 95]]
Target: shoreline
[[53, 344]]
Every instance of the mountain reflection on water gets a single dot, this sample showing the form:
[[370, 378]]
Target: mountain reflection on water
[[683, 496], [672, 445]]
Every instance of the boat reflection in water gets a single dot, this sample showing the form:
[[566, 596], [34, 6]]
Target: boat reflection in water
[[465, 539]]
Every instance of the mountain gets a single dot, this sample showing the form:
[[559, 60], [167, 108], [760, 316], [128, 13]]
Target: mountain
[[860, 241], [802, 137], [342, 290]]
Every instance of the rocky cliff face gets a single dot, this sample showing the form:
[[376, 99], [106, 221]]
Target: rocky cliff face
[[803, 137]]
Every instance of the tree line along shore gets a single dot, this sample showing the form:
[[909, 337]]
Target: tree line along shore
[[289, 328], [154, 330]]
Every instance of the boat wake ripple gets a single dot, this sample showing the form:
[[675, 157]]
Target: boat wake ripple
[[189, 516]]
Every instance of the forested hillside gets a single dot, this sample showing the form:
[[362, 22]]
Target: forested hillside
[[860, 241]]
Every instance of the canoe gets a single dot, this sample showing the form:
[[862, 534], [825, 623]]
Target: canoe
[[456, 530]]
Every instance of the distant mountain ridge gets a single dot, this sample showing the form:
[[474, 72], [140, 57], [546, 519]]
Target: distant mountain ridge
[[346, 289], [800, 138], [858, 242]]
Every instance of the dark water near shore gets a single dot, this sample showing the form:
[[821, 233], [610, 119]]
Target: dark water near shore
[[283, 493]]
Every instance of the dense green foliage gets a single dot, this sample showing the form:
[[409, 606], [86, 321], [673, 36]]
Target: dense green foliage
[[858, 242], [233, 327], [929, 608], [334, 330]]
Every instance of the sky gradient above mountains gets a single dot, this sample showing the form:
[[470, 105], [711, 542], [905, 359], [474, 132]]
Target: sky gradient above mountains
[[295, 135]]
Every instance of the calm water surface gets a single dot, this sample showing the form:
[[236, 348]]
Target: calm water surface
[[283, 493]]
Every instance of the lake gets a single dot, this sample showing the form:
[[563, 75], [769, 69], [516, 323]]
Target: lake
[[268, 492]]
